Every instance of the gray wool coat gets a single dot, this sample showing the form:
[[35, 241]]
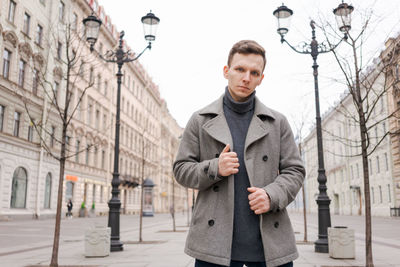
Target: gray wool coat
[[272, 162]]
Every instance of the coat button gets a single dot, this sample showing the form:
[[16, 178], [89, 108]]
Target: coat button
[[216, 188], [278, 210], [217, 155], [211, 222], [205, 169], [265, 158], [276, 224]]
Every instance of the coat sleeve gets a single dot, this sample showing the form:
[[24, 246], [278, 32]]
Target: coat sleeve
[[291, 171], [189, 171]]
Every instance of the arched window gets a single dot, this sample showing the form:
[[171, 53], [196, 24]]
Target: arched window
[[69, 193], [47, 192], [18, 191]]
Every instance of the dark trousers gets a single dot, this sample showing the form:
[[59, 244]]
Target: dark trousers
[[200, 263]]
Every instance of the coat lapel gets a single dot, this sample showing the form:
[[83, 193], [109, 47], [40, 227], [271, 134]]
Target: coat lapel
[[218, 129], [257, 130]]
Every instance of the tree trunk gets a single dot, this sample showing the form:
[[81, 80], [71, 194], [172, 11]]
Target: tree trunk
[[304, 213], [368, 240], [56, 242], [173, 205]]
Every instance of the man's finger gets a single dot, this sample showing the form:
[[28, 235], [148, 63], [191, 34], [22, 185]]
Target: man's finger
[[226, 148]]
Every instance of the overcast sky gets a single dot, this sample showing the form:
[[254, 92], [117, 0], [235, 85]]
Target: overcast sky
[[194, 38]]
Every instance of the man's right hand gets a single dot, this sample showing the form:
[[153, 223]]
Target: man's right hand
[[228, 162]]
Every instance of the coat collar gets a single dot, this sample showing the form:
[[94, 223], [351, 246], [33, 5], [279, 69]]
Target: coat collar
[[218, 128], [216, 107]]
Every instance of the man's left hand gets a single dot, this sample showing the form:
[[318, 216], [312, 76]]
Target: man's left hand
[[259, 200]]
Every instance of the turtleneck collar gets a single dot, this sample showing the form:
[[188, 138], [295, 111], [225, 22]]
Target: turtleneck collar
[[239, 107]]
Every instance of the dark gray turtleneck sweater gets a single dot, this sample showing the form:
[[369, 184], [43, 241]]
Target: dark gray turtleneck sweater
[[246, 243]]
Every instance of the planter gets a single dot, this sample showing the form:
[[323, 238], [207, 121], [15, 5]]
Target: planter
[[341, 243], [82, 212]]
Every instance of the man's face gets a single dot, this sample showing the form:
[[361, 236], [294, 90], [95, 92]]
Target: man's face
[[244, 75]]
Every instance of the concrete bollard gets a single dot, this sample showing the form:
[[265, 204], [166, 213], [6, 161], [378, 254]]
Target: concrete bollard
[[341, 243], [97, 241]]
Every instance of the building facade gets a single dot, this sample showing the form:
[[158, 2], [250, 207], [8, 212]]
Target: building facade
[[392, 53], [44, 52], [342, 152]]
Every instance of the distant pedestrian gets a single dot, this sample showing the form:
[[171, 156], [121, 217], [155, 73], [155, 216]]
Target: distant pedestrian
[[69, 207], [242, 157]]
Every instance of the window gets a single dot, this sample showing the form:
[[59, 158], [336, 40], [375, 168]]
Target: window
[[21, 72], [89, 114], [27, 23], [94, 194], [77, 147], [380, 194], [373, 195], [35, 81], [97, 119], [358, 171], [55, 92], [103, 159], [389, 195], [74, 23], [52, 135], [19, 186], [30, 131], [11, 11], [82, 68], [17, 119], [69, 192], [386, 162], [61, 9], [105, 87], [87, 154], [47, 192], [39, 34], [378, 168], [104, 122], [95, 156], [370, 166], [2, 111], [6, 63], [101, 194], [91, 76], [59, 50], [98, 82]]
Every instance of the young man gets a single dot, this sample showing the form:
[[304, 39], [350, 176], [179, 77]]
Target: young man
[[242, 158]]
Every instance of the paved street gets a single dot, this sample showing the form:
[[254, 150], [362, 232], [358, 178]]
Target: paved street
[[29, 242]]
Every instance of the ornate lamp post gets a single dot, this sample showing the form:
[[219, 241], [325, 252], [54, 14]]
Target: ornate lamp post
[[119, 56], [342, 12]]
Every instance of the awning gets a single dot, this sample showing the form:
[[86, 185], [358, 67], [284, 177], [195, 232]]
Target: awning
[[71, 178]]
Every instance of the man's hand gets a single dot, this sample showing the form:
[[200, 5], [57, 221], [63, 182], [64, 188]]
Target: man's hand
[[228, 162], [259, 200]]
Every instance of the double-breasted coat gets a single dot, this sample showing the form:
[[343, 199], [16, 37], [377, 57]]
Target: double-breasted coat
[[273, 163]]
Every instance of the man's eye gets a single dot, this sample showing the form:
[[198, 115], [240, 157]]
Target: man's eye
[[240, 69], [255, 73]]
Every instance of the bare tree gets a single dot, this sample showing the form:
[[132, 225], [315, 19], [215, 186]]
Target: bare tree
[[66, 46], [367, 83]]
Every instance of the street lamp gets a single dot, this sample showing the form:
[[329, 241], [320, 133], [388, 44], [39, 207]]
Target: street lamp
[[343, 17], [119, 56]]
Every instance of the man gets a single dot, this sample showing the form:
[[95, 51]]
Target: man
[[242, 158]]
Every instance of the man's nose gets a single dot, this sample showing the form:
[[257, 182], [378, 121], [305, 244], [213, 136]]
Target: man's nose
[[246, 76]]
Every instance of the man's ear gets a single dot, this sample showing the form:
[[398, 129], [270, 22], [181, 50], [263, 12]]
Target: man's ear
[[225, 71]]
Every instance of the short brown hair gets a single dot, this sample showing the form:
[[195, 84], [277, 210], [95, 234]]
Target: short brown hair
[[247, 47]]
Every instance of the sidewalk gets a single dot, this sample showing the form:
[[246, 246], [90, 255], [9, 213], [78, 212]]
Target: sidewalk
[[162, 247]]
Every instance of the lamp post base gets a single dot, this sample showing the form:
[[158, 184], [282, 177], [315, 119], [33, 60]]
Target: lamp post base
[[321, 246], [116, 245]]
